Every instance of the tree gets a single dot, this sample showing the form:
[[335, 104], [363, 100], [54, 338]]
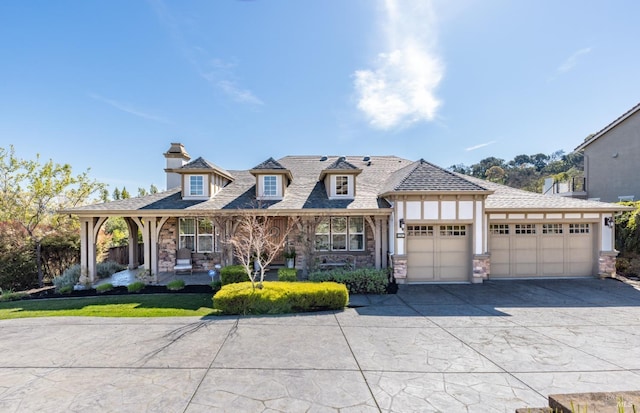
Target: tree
[[496, 174], [124, 194], [479, 170], [256, 244], [153, 189], [32, 192], [142, 192], [116, 194]]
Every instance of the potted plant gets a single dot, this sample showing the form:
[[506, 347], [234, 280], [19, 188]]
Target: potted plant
[[290, 257]]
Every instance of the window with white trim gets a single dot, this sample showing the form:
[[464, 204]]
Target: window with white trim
[[525, 229], [552, 228], [342, 185], [269, 185], [198, 235], [579, 228], [196, 185], [340, 234]]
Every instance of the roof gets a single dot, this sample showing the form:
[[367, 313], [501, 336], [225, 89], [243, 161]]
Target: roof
[[380, 176], [202, 165], [607, 128], [342, 165], [508, 198], [269, 164], [424, 176]]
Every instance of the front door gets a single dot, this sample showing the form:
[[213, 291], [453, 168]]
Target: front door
[[278, 227]]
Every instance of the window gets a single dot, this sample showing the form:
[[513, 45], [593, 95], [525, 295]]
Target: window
[[196, 185], [528, 229], [499, 229], [552, 228], [342, 185], [198, 235], [269, 185], [579, 228], [420, 230], [340, 234], [453, 230]]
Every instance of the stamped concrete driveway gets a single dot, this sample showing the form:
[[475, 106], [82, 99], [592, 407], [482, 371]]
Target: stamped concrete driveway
[[451, 348]]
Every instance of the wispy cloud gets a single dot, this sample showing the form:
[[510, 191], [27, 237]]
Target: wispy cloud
[[482, 145], [128, 108], [572, 60], [400, 88], [220, 74]]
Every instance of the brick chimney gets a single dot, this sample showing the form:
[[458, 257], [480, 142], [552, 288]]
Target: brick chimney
[[176, 156]]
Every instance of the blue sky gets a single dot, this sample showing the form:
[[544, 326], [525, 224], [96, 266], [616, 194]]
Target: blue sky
[[108, 85]]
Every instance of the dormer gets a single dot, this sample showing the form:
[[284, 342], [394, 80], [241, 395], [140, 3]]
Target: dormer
[[201, 179], [271, 179], [340, 179]]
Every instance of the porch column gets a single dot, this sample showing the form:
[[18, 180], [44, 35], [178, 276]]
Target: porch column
[[385, 241], [150, 228], [133, 243], [378, 244], [89, 228]]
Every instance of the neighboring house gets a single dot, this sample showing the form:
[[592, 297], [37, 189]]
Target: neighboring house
[[612, 159], [428, 224]]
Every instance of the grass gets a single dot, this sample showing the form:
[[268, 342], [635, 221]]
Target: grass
[[151, 305]]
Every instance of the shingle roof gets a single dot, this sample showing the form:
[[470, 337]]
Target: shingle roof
[[508, 198], [202, 164], [341, 164], [424, 176], [306, 192], [607, 128], [269, 164]]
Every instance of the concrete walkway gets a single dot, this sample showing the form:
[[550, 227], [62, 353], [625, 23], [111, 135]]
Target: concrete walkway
[[454, 348]]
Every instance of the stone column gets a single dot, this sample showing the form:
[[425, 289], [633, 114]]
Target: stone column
[[481, 268], [607, 264], [399, 263]]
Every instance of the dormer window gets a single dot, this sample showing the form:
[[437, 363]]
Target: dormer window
[[196, 185], [342, 185], [269, 186]]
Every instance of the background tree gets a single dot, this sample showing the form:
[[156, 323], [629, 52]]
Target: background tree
[[256, 244], [496, 174], [32, 192]]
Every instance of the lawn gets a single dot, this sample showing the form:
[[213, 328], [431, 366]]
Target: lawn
[[147, 305]]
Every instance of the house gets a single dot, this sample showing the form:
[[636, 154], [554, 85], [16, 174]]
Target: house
[[611, 159], [428, 224]]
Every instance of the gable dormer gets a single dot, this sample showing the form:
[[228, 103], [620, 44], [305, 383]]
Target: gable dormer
[[201, 179], [340, 179], [271, 179]]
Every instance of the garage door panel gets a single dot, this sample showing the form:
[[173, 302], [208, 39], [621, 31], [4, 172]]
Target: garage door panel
[[437, 257]]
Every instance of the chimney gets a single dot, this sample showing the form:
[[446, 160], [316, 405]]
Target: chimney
[[176, 156]]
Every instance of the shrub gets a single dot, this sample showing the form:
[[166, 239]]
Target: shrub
[[358, 281], [233, 274], [135, 287], [103, 288], [12, 296], [69, 278], [108, 268], [216, 285], [280, 297], [66, 289], [287, 274], [175, 285]]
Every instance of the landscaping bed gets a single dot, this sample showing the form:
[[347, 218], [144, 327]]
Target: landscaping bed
[[49, 292]]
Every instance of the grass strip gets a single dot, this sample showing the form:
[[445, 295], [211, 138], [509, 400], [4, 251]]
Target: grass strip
[[147, 305]]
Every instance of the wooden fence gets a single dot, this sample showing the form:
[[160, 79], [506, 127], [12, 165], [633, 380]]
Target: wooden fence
[[121, 254]]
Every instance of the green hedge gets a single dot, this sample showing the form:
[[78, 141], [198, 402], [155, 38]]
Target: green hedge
[[358, 281], [233, 274], [277, 297], [287, 274]]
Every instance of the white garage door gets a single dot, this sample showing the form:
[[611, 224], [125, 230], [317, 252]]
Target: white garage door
[[544, 250], [438, 253]]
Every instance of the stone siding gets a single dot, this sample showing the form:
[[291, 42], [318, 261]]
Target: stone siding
[[168, 245], [607, 263], [399, 264], [481, 268]]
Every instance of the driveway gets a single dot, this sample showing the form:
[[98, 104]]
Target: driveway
[[451, 348]]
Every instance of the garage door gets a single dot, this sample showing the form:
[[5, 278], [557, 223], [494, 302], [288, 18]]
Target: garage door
[[438, 253], [541, 250]]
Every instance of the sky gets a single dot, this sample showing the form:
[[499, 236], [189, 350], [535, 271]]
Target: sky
[[108, 85]]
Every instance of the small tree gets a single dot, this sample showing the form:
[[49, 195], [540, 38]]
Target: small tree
[[256, 244]]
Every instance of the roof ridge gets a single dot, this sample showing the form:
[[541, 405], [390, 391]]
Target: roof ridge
[[608, 127]]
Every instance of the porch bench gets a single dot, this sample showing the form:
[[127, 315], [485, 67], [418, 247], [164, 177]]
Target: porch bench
[[331, 261]]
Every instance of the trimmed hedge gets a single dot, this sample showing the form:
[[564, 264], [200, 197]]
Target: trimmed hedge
[[277, 297], [358, 281], [233, 274], [287, 274]]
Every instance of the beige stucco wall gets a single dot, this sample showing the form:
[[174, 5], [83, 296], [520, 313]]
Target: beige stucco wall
[[612, 162]]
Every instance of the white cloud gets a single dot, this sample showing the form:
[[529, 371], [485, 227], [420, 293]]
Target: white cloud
[[400, 89], [238, 94], [128, 108], [572, 60], [482, 145]]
